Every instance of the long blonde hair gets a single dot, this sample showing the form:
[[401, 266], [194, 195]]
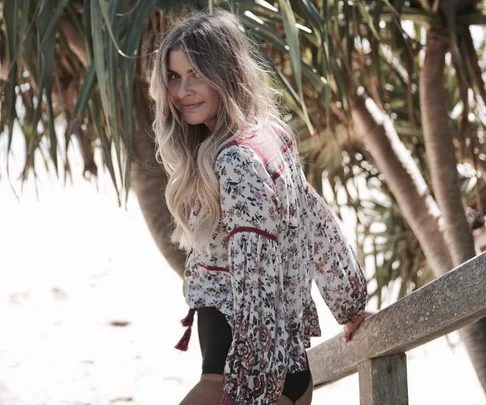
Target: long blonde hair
[[221, 53]]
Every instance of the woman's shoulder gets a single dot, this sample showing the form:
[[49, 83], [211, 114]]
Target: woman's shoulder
[[240, 149], [235, 150], [237, 158], [260, 146]]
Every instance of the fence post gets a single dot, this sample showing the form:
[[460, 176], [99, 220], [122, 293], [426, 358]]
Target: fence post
[[383, 380]]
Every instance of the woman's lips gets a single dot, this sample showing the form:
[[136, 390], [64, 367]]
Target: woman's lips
[[191, 106]]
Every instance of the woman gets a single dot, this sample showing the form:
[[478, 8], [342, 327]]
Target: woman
[[257, 234]]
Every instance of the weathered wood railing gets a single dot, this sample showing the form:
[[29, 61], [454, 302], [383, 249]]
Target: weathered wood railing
[[377, 350]]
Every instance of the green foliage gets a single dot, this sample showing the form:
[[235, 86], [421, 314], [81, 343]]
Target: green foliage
[[102, 74], [80, 60], [376, 48]]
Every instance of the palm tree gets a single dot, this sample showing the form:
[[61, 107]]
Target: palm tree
[[371, 109], [53, 55], [361, 49]]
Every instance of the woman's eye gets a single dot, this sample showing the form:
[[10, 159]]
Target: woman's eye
[[172, 76], [197, 75]]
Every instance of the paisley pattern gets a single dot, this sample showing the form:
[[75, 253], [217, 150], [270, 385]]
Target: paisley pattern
[[275, 237]]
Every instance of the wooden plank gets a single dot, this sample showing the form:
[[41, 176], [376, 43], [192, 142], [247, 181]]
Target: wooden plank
[[383, 381], [442, 306]]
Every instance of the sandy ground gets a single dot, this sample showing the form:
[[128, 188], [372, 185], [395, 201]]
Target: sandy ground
[[89, 312]]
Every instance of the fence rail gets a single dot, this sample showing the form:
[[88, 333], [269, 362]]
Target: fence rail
[[377, 350]]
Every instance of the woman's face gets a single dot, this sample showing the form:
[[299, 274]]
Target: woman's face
[[197, 101]]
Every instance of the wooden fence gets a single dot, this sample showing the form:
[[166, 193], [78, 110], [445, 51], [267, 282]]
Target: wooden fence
[[377, 350]]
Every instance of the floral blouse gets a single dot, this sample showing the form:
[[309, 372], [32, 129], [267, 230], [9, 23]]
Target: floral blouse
[[275, 237]]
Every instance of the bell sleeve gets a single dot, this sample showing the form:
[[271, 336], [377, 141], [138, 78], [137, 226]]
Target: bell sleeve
[[338, 275], [256, 364]]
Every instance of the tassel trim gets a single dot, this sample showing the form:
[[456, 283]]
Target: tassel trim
[[183, 344], [189, 319], [187, 322]]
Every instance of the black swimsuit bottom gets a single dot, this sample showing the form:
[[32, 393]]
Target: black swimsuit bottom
[[215, 339]]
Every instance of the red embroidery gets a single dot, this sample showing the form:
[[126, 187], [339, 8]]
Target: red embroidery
[[213, 268], [287, 147], [278, 173], [254, 230]]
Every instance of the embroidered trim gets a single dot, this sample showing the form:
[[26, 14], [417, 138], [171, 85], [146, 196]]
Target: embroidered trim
[[187, 322], [250, 229], [213, 268], [278, 173], [287, 147]]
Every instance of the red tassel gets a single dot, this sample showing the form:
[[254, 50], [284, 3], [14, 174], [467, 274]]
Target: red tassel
[[183, 344], [189, 319]]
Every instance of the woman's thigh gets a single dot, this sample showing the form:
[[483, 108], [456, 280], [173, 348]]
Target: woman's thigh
[[207, 391], [306, 399]]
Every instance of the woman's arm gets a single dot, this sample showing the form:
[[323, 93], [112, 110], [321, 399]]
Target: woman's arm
[[338, 274]]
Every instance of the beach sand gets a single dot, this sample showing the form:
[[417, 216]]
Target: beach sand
[[90, 312]]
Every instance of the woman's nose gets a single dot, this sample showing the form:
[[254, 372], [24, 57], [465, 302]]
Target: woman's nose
[[185, 89]]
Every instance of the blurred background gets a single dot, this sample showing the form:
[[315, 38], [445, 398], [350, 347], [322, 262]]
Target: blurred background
[[388, 101], [90, 310]]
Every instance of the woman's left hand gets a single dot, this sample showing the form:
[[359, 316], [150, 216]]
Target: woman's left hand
[[351, 327]]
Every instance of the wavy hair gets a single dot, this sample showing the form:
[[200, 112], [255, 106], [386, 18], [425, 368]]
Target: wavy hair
[[220, 52]]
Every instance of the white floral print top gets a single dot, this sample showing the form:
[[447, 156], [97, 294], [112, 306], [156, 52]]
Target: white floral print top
[[276, 236]]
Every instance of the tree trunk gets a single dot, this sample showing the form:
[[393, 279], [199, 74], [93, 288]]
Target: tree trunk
[[407, 185], [440, 149], [404, 179], [474, 338], [148, 180], [443, 166]]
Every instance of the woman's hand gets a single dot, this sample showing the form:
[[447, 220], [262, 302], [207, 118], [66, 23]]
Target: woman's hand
[[351, 327]]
